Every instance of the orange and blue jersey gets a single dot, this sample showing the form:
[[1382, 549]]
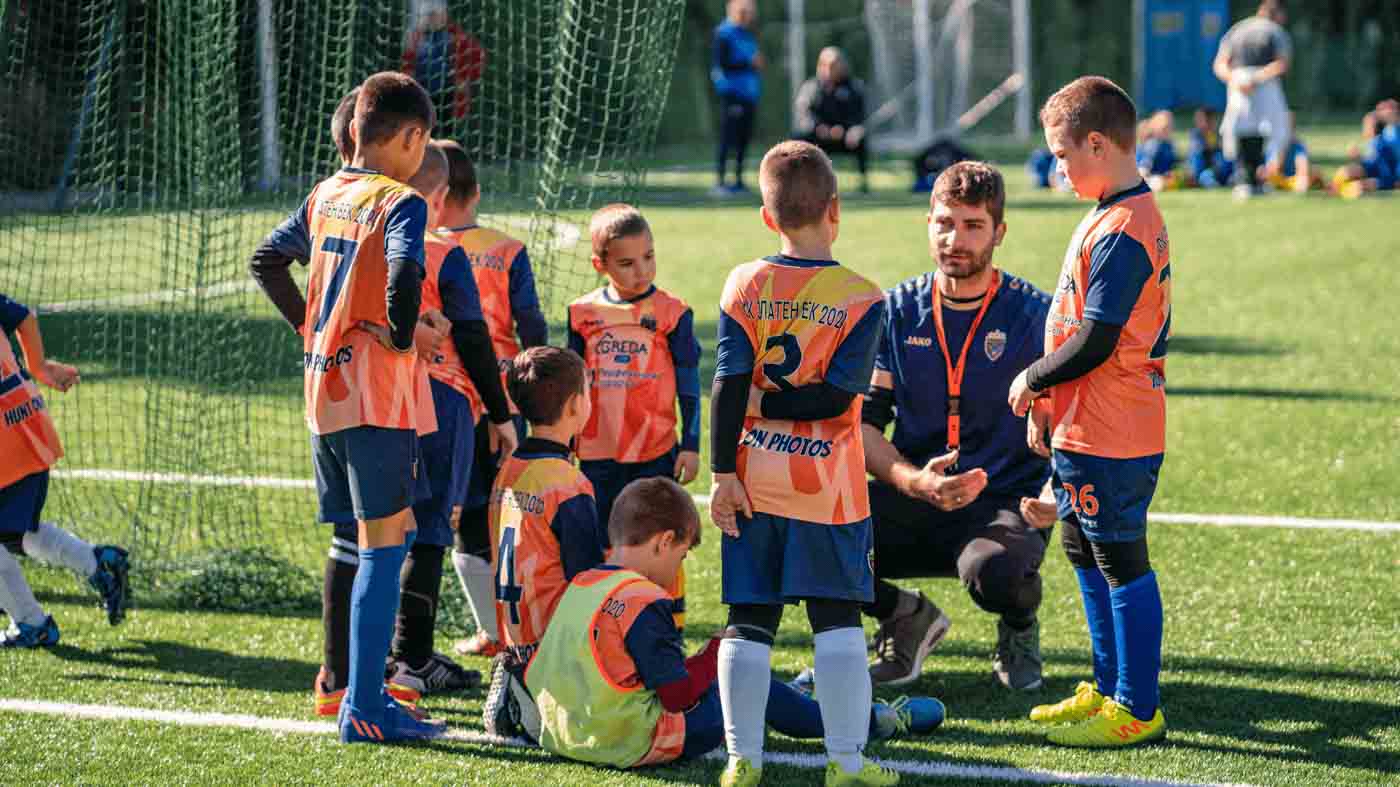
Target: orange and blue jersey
[[643, 357], [351, 226], [789, 323], [505, 285], [450, 288], [28, 440], [544, 531], [1117, 271]]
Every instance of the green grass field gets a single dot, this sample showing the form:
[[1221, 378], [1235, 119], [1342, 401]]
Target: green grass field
[[1282, 651]]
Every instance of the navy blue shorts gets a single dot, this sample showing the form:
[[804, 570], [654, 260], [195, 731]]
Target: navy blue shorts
[[366, 472], [778, 560], [1107, 498], [609, 477], [486, 464], [447, 457], [22, 502]]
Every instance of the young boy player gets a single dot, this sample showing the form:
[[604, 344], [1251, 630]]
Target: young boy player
[[797, 341], [29, 443], [639, 344], [466, 363], [505, 281], [613, 683], [1104, 372], [362, 230], [544, 523]]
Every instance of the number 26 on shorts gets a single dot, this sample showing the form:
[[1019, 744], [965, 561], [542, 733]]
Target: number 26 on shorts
[[1082, 500]]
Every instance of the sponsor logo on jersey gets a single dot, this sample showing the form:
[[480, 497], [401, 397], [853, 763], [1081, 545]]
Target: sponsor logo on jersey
[[520, 500], [783, 443], [16, 415], [316, 362], [919, 341], [622, 350], [994, 345], [493, 262]]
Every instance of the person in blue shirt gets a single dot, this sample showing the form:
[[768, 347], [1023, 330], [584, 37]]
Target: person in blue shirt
[[736, 63], [1206, 165], [1156, 155], [958, 491]]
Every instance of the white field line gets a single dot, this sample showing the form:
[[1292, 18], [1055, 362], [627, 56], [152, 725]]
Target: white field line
[[563, 235], [144, 298], [808, 761], [266, 482]]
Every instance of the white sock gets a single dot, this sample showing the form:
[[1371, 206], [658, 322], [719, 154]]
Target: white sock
[[843, 694], [55, 546], [744, 675], [15, 596], [480, 586]]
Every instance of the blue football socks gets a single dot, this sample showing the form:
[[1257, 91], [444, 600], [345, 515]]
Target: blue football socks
[[1137, 623], [372, 603], [1098, 610]]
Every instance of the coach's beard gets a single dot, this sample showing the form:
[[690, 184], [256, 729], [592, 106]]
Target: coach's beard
[[966, 267]]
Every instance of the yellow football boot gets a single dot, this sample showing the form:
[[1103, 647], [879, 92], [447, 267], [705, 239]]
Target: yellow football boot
[[1084, 703], [869, 775], [740, 773], [1112, 727]]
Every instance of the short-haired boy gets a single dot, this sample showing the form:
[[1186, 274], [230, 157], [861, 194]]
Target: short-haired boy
[[466, 364], [506, 283], [797, 341], [612, 681], [545, 528], [29, 442], [362, 230], [1104, 371], [639, 344]]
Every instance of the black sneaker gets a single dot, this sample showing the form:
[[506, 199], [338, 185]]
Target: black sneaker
[[438, 674]]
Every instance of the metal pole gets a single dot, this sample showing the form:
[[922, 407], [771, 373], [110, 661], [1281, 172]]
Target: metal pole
[[267, 54], [796, 54], [923, 70], [962, 68], [1021, 62], [1139, 48], [75, 142]]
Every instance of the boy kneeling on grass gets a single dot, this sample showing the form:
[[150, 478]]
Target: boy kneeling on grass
[[610, 677]]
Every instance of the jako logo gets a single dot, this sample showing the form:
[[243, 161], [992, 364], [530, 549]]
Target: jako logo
[[919, 341]]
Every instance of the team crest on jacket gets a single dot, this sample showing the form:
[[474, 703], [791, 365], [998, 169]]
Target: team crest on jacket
[[649, 322], [994, 345]]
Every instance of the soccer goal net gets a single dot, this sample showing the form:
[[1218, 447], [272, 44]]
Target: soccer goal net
[[148, 146], [934, 68]]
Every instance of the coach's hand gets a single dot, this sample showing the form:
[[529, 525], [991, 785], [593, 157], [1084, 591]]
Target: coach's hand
[[727, 498], [687, 466], [502, 439], [1038, 427], [1020, 396], [58, 376], [1040, 512], [933, 484]]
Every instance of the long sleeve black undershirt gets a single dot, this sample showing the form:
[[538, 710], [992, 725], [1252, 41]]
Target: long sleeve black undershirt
[[472, 339], [878, 410], [729, 401], [1084, 352], [402, 298], [271, 269], [813, 402]]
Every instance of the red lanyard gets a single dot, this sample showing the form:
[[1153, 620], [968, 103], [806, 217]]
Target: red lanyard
[[955, 372]]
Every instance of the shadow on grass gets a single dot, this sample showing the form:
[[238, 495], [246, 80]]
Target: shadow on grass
[[216, 667], [165, 602], [1251, 721], [1260, 392], [1225, 345]]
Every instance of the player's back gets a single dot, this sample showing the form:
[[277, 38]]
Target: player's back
[[1119, 409], [446, 366], [492, 256], [351, 379], [633, 388], [528, 559], [28, 440], [798, 316]]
